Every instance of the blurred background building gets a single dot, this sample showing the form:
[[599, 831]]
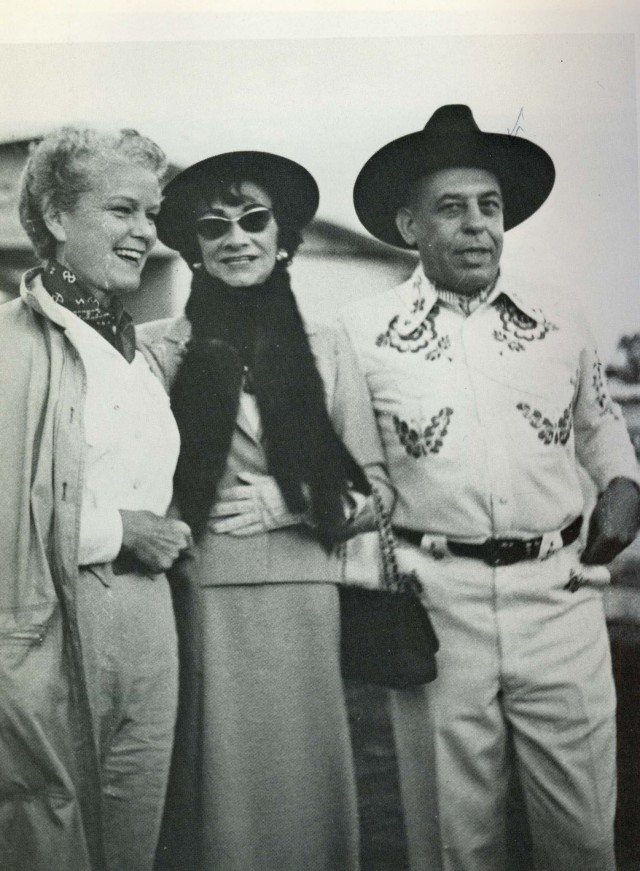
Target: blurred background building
[[334, 266]]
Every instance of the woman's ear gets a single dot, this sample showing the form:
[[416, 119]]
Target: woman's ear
[[404, 223], [54, 223]]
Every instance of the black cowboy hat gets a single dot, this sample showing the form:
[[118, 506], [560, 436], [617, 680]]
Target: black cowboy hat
[[451, 138], [291, 187]]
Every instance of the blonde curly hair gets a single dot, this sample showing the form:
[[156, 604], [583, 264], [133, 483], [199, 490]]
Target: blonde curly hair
[[57, 173]]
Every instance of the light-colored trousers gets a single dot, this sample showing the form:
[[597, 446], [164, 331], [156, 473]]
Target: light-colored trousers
[[525, 673], [129, 646]]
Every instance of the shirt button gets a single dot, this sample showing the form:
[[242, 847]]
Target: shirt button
[[136, 485], [503, 500]]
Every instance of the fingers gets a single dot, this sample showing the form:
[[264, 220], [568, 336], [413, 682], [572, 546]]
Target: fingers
[[162, 554], [241, 493], [180, 533], [169, 537], [232, 507], [237, 522], [252, 529], [155, 541], [254, 478]]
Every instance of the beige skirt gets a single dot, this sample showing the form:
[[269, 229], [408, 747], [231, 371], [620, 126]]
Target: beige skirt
[[278, 789]]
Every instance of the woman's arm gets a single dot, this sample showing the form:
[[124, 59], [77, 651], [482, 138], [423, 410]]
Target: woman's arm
[[354, 420]]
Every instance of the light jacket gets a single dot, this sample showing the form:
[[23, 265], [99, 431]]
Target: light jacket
[[49, 773], [291, 554]]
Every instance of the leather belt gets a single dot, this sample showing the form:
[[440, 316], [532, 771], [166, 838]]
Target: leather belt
[[497, 551]]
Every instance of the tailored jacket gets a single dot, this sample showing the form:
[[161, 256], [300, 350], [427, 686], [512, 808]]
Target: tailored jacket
[[49, 774], [289, 554], [283, 555]]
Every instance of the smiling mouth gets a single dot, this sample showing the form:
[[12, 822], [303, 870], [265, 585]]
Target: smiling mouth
[[131, 255], [241, 260]]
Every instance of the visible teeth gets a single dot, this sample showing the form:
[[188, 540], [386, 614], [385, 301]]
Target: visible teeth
[[129, 253]]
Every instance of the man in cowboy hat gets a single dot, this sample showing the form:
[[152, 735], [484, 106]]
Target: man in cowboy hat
[[488, 399]]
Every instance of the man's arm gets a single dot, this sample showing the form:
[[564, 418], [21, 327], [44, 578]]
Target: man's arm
[[604, 448]]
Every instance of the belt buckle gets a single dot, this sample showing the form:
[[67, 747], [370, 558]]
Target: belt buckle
[[504, 551]]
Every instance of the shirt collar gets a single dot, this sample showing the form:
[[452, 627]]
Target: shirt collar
[[418, 296], [34, 295], [521, 295]]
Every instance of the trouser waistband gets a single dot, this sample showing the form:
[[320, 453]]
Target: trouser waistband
[[504, 551]]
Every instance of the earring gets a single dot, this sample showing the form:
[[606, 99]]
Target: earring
[[196, 265], [282, 255]]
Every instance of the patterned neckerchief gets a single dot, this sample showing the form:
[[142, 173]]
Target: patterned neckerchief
[[113, 323]]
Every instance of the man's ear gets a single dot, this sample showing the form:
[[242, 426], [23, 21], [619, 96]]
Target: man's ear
[[55, 223], [404, 223]]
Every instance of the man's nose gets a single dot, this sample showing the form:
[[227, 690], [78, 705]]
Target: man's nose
[[474, 219]]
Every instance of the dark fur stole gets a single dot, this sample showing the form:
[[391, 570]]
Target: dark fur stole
[[204, 399], [259, 328]]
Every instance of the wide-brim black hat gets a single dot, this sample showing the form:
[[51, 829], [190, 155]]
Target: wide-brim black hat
[[291, 187], [450, 138]]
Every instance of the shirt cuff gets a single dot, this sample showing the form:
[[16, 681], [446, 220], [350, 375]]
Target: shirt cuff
[[607, 472], [100, 535]]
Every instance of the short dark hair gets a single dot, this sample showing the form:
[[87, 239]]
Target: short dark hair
[[227, 191]]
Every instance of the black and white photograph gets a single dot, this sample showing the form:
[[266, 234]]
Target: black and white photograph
[[320, 427]]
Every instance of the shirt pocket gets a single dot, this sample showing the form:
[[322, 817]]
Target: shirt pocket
[[26, 626], [546, 369], [414, 412], [533, 395]]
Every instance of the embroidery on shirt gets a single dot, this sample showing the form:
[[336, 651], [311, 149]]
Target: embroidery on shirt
[[517, 327], [419, 441], [602, 393], [550, 432], [424, 337]]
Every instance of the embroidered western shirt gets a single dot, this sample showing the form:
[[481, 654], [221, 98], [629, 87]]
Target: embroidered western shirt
[[132, 442], [485, 417]]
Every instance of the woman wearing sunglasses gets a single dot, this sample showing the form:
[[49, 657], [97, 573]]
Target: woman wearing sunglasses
[[276, 431]]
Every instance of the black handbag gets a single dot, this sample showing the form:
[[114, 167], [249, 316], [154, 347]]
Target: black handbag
[[386, 636]]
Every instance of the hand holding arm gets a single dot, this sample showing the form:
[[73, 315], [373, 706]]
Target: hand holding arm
[[252, 507], [154, 541]]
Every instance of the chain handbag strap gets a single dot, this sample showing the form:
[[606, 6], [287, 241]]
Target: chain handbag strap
[[392, 578]]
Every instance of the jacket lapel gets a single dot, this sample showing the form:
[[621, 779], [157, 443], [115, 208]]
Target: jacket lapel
[[167, 349]]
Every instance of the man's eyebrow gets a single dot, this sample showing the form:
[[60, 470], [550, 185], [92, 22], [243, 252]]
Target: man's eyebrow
[[491, 192], [446, 198]]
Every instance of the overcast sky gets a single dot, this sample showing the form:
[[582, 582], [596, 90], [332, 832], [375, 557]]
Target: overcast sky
[[330, 103]]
